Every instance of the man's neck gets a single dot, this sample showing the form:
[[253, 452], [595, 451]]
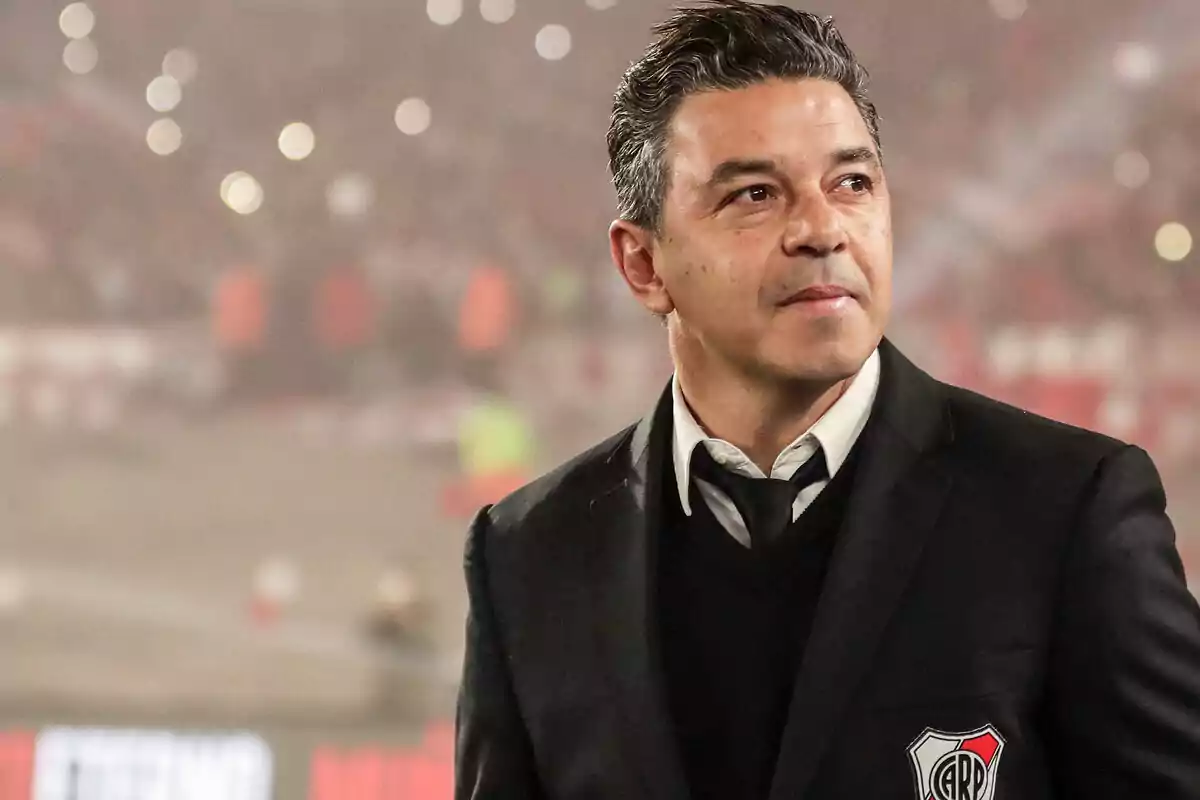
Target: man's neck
[[760, 418]]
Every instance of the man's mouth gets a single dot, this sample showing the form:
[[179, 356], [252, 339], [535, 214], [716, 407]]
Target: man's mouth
[[813, 294]]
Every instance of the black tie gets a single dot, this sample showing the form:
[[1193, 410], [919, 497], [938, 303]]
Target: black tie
[[764, 503]]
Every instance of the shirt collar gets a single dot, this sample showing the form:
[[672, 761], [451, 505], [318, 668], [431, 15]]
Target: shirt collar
[[834, 433]]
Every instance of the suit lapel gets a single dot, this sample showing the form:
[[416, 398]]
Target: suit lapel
[[894, 505], [624, 520]]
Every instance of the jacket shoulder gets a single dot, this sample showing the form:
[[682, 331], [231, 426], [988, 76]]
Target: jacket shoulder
[[566, 484], [1015, 437]]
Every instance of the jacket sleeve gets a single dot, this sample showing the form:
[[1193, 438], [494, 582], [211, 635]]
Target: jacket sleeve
[[493, 755], [1124, 685]]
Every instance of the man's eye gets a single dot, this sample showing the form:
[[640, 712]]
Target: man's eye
[[858, 183], [758, 193]]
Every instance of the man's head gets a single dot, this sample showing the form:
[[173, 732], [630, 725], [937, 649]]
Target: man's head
[[754, 213]]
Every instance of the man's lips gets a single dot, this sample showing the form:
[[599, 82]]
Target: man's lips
[[815, 293]]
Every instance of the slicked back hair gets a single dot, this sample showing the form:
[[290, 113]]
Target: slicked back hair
[[715, 45]]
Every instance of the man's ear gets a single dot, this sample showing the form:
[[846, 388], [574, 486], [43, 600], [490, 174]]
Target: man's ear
[[632, 248]]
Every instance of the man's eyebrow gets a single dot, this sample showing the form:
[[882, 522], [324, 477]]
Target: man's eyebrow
[[737, 167], [733, 168], [854, 155]]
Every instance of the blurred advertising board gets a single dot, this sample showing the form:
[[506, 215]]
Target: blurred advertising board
[[109, 763], [424, 772], [16, 765], [63, 763]]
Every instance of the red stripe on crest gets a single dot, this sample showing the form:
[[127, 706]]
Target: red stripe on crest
[[985, 746]]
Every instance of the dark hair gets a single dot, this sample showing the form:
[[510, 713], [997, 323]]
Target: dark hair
[[717, 44]]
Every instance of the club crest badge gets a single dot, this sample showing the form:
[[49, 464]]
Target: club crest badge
[[956, 766]]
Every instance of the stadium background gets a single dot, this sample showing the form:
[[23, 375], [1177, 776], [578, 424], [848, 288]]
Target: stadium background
[[289, 287]]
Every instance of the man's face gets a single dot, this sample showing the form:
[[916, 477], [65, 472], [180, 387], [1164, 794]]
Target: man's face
[[775, 247]]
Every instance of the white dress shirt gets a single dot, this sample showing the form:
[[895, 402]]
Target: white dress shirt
[[835, 433]]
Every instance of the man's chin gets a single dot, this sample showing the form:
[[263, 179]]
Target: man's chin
[[823, 362]]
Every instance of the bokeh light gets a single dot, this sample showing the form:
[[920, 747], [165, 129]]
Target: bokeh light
[[77, 21], [413, 116], [1173, 242], [181, 64], [296, 141], [277, 580], [242, 192], [1010, 10], [350, 195], [1131, 170], [497, 11], [81, 56], [164, 137], [396, 590], [164, 93], [443, 12], [1137, 63], [553, 42], [601, 5]]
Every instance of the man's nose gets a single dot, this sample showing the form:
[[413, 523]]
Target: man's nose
[[815, 229]]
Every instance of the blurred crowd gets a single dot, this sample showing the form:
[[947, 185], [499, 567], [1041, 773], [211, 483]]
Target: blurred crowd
[[289, 289]]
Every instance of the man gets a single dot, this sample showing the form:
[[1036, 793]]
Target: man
[[813, 571]]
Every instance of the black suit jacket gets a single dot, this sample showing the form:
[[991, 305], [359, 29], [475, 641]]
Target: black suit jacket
[[994, 568]]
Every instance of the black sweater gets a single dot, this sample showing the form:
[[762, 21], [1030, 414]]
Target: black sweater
[[734, 623]]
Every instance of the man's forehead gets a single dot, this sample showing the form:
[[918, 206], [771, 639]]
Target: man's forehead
[[802, 120]]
